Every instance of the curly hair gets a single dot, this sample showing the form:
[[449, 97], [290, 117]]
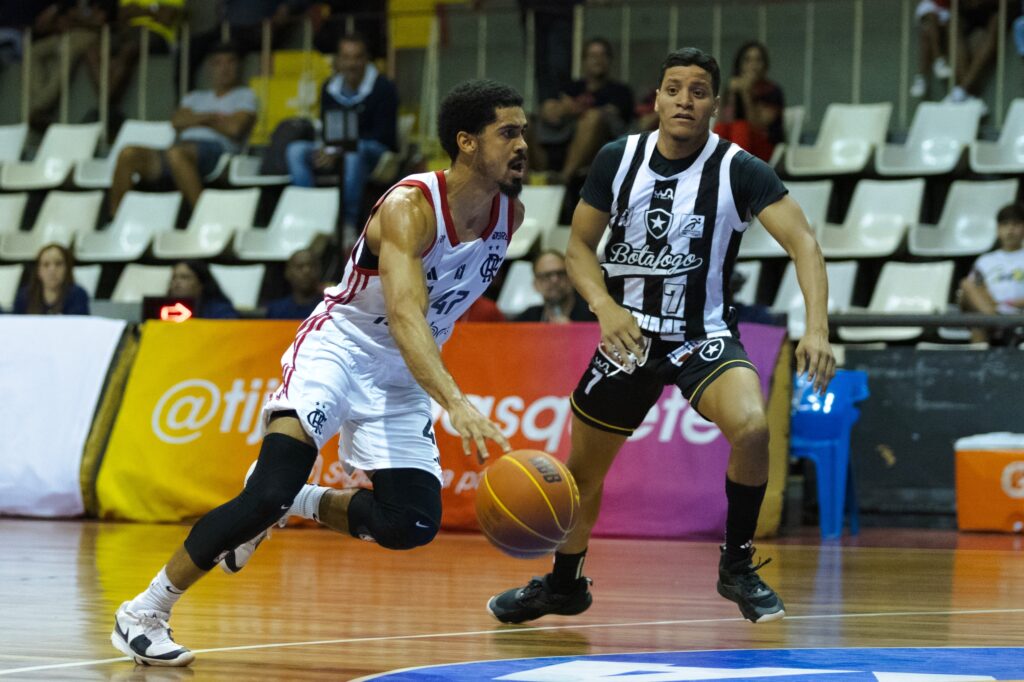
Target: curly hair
[[470, 107]]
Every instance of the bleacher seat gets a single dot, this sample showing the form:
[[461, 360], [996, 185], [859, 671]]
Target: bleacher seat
[[62, 146], [244, 171], [218, 169], [904, 288], [12, 208], [879, 216], [517, 293], [218, 215], [751, 271], [967, 226], [812, 197], [542, 204], [792, 126], [935, 144], [10, 278], [87, 277], [63, 216], [138, 281], [301, 214], [555, 239], [98, 173], [240, 283], [848, 135], [12, 141], [1006, 155], [789, 299], [138, 218]]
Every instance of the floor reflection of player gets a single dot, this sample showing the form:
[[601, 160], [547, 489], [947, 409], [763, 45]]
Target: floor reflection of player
[[677, 201], [367, 363]]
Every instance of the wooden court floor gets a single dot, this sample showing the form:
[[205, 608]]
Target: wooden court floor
[[314, 605]]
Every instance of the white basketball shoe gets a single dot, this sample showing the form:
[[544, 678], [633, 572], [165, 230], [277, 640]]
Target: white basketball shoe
[[145, 637]]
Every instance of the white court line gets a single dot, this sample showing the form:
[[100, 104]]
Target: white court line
[[519, 631]]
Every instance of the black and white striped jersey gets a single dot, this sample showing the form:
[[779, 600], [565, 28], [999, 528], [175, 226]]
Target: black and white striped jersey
[[675, 229]]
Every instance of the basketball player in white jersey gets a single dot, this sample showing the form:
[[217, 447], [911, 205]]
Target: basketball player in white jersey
[[677, 202], [367, 363]]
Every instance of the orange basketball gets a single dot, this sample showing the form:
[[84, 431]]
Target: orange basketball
[[527, 503]]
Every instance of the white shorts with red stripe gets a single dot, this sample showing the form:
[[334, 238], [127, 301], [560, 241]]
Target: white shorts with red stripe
[[335, 384]]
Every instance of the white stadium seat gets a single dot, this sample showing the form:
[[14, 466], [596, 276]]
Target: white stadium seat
[[240, 283], [812, 197], [967, 226], [904, 288], [63, 216], [849, 134], [12, 208], [62, 146], [543, 205], [1006, 155], [140, 216], [517, 292], [138, 281], [218, 215], [879, 216], [938, 136], [789, 299], [244, 171], [10, 278], [300, 215], [792, 126], [88, 277], [12, 141], [751, 271]]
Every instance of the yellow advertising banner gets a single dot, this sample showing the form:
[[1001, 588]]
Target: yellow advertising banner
[[189, 425]]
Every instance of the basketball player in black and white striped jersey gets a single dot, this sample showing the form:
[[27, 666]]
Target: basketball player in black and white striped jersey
[[677, 201]]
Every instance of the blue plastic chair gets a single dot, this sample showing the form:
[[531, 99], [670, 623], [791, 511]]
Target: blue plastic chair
[[819, 430]]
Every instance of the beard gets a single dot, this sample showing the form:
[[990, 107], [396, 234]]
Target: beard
[[511, 189]]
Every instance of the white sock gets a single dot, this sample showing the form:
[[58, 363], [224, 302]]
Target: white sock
[[307, 502], [161, 595]]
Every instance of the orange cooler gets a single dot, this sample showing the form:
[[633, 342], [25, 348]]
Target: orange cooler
[[990, 482]]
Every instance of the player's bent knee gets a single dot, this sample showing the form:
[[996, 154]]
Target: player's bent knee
[[752, 434], [409, 531]]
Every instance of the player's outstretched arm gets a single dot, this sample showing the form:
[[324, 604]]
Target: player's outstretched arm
[[785, 221], [620, 333], [405, 233]]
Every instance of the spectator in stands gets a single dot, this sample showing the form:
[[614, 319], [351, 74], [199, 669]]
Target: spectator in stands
[[193, 279], [561, 302], [52, 289], [996, 282], [368, 19], [752, 112], [979, 34], [81, 22], [15, 17], [932, 18], [356, 85], [245, 26], [160, 17], [209, 123], [303, 276], [588, 113]]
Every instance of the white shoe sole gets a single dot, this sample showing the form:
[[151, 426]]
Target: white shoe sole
[[769, 617]]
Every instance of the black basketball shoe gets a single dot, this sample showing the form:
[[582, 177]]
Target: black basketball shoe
[[739, 582], [537, 599]]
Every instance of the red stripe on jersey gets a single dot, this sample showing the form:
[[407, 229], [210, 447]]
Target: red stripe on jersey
[[314, 320], [449, 224], [511, 222], [493, 220]]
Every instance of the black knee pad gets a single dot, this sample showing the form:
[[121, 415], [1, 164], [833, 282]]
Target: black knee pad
[[402, 512], [281, 470]]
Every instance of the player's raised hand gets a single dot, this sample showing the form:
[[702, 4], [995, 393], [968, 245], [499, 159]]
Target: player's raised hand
[[475, 430], [814, 356], [620, 334]]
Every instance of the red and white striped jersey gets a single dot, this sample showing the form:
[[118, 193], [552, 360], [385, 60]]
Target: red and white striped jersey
[[457, 273]]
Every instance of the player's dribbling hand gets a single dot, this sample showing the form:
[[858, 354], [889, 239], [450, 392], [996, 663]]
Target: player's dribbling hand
[[475, 430], [620, 334], [814, 356]]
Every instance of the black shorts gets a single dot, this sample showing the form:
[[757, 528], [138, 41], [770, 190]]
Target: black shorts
[[612, 400]]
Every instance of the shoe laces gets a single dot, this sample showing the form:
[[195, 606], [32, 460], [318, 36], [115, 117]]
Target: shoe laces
[[154, 621], [531, 589]]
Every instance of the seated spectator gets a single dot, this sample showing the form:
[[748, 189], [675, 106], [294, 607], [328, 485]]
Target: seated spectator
[[996, 282], [303, 276], [52, 289], [358, 86], [209, 123], [192, 279], [81, 22], [159, 17], [752, 114], [933, 18], [561, 302], [976, 49], [587, 114]]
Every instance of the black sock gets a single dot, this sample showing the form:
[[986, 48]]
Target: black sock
[[741, 521], [567, 570]]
